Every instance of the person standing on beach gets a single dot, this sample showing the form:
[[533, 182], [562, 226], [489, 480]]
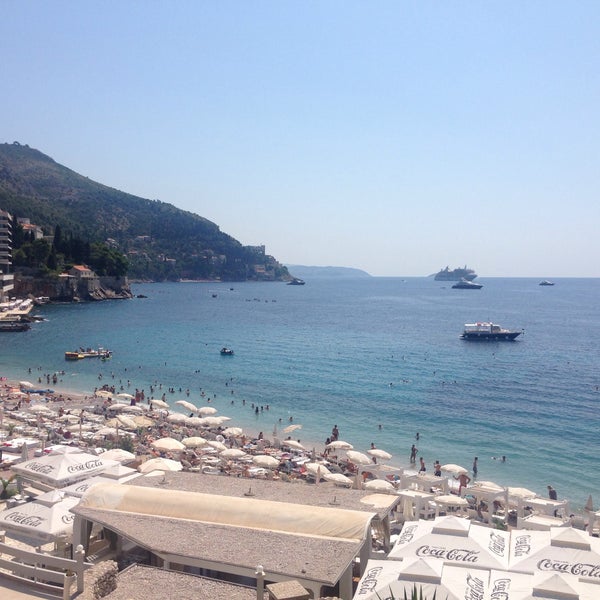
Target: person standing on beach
[[463, 481], [423, 468], [475, 467]]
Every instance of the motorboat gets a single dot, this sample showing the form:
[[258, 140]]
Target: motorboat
[[296, 281], [487, 331], [102, 353], [465, 284], [546, 282], [226, 351]]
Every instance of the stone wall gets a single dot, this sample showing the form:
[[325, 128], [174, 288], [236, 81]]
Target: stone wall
[[100, 580]]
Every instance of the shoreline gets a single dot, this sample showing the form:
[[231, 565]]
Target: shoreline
[[70, 398]]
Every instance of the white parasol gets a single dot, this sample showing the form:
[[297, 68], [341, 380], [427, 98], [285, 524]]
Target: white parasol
[[103, 394], [340, 445], [358, 458], [177, 418], [232, 453], [291, 428], [455, 469], [207, 411], [160, 464], [126, 396], [168, 444], [217, 444], [377, 453], [233, 432], [194, 442], [266, 461], [187, 405], [379, 485], [338, 479], [293, 444], [159, 403], [119, 455]]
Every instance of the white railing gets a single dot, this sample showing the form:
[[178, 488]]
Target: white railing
[[43, 571]]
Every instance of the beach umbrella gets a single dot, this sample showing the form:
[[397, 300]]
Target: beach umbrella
[[206, 411], [293, 444], [44, 521], [340, 445], [338, 478], [60, 469], [105, 431], [211, 421], [160, 464], [377, 453], [266, 461], [39, 408], [119, 455], [232, 453], [519, 493], [117, 406], [127, 422], [126, 396], [194, 442], [143, 421], [397, 579], [187, 405], [455, 469], [451, 539], [159, 403], [233, 432], [194, 421], [217, 444], [379, 485], [168, 444], [133, 409], [176, 418], [358, 458], [291, 428], [103, 394]]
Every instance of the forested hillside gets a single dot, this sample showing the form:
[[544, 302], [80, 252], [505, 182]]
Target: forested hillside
[[159, 240]]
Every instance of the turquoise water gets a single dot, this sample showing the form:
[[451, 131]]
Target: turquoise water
[[360, 353]]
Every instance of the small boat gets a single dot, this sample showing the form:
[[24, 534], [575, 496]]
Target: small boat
[[13, 325], [465, 284], [546, 282], [102, 353], [226, 351], [296, 281], [486, 331]]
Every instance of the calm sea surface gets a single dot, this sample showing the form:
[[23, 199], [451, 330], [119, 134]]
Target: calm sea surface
[[360, 353]]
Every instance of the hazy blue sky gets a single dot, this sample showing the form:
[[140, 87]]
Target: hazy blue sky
[[396, 137]]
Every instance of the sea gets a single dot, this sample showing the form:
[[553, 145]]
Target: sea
[[381, 358]]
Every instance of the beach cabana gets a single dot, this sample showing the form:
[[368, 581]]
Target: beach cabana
[[453, 540], [231, 535]]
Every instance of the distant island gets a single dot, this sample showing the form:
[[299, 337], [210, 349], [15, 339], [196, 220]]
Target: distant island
[[306, 272]]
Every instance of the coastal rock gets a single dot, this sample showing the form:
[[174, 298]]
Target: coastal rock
[[68, 289]]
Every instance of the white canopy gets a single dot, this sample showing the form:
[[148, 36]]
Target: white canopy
[[41, 521], [455, 541], [244, 512], [560, 550], [384, 580], [59, 470]]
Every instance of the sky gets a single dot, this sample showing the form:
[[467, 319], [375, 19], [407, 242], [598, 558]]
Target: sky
[[396, 137]]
